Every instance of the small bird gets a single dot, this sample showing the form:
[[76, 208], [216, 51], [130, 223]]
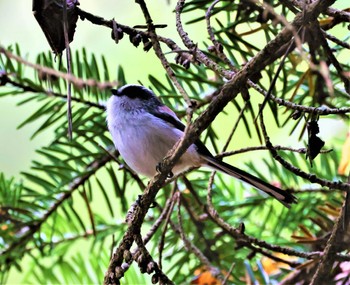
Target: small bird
[[144, 130]]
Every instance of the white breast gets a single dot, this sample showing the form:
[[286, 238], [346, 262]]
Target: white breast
[[143, 140]]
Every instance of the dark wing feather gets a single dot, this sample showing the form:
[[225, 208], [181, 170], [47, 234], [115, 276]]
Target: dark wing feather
[[174, 121], [284, 197]]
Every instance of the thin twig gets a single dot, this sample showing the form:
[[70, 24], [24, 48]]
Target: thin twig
[[164, 216], [200, 56], [297, 171], [188, 244], [333, 60], [228, 92], [228, 274], [158, 50], [322, 110], [248, 241], [327, 259], [275, 77], [228, 140], [218, 46], [171, 201], [28, 88], [302, 150], [69, 71], [55, 73]]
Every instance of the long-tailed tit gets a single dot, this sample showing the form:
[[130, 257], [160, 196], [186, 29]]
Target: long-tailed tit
[[144, 130]]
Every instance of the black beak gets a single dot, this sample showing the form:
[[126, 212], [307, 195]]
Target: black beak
[[115, 92]]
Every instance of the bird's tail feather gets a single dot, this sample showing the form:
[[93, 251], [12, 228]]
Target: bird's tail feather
[[285, 197]]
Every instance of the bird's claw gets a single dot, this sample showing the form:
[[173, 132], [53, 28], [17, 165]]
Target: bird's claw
[[139, 200], [159, 169]]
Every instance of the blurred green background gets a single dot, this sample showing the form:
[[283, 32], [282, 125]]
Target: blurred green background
[[18, 25]]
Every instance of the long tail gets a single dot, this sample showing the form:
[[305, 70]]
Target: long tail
[[285, 197]]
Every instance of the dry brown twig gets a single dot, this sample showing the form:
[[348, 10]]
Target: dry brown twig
[[236, 81], [79, 82], [228, 92]]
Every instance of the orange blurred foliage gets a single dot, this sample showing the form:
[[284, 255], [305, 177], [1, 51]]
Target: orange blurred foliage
[[204, 276], [344, 166]]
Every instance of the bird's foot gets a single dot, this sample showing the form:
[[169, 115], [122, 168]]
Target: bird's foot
[[139, 199]]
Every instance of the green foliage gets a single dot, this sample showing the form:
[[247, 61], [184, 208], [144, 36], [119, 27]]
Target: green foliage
[[60, 224], [55, 203]]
